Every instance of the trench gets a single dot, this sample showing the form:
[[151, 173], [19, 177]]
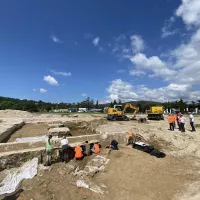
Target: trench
[[41, 129]]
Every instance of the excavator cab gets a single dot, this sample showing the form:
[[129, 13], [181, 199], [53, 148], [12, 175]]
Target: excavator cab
[[118, 107]]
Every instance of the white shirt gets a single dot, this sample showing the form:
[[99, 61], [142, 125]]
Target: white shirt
[[191, 118], [182, 119], [64, 142]]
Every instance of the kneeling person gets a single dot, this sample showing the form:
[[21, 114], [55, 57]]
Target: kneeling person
[[96, 148], [78, 153]]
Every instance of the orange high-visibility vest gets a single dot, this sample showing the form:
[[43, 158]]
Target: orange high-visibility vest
[[130, 134], [78, 152], [170, 119], [96, 148], [173, 118]]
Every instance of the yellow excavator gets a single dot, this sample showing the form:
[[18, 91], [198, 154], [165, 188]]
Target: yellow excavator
[[117, 113]]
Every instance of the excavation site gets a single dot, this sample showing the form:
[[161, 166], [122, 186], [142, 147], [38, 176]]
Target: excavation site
[[126, 173]]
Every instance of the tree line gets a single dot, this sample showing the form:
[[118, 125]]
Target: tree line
[[40, 106]]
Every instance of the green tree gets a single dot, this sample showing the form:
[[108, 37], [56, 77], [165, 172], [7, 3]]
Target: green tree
[[97, 104], [181, 105], [115, 102], [6, 105], [111, 104]]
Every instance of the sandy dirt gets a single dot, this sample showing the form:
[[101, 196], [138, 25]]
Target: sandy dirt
[[30, 130], [130, 174]]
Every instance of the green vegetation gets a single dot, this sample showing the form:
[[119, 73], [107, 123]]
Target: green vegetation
[[40, 106]]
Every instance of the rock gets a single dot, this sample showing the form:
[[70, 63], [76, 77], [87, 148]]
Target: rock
[[62, 131], [55, 125]]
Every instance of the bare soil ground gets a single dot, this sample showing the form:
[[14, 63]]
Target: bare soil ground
[[30, 130], [130, 174]]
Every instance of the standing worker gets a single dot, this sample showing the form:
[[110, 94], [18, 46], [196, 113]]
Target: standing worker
[[96, 148], [129, 138], [64, 143], [78, 153], [173, 121], [182, 123], [192, 122], [49, 149], [178, 120], [170, 120]]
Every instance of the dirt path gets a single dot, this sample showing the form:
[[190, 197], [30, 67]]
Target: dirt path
[[130, 174]]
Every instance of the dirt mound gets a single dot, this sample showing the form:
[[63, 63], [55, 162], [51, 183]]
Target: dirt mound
[[14, 114]]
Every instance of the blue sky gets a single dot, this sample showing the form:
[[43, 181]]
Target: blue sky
[[64, 51]]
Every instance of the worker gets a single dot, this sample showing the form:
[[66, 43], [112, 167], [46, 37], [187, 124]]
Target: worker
[[78, 153], [64, 143], [87, 151], [49, 149], [192, 122], [182, 123], [96, 148], [129, 138], [173, 121], [178, 120], [114, 145], [170, 120]]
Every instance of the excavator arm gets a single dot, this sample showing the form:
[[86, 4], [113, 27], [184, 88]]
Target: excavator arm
[[128, 105]]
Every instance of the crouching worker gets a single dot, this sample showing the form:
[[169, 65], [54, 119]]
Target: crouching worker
[[114, 145], [129, 138], [78, 153], [49, 149], [96, 148], [87, 150]]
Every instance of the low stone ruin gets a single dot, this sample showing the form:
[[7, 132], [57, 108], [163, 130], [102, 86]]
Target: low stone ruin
[[55, 125], [60, 132]]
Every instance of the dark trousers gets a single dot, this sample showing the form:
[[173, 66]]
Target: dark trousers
[[178, 123], [182, 127], [192, 125], [64, 153], [171, 126]]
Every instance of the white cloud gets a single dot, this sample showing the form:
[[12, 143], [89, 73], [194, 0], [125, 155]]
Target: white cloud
[[137, 43], [119, 89], [96, 41], [121, 71], [152, 64], [61, 73], [42, 90], [84, 95], [55, 39], [187, 60], [138, 73], [167, 29], [51, 80], [189, 10], [34, 90], [121, 37]]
